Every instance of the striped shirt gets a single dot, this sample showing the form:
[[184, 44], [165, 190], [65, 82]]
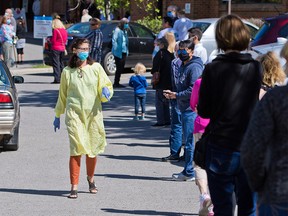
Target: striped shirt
[[96, 40]]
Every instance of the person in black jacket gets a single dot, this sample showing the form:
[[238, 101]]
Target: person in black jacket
[[229, 91], [20, 33], [162, 63]]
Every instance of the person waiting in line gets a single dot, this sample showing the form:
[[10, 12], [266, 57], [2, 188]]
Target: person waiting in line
[[172, 12], [7, 41], [273, 74], [120, 50], [85, 16], [167, 26], [175, 138], [189, 71], [162, 64], [228, 93], [264, 152], [20, 33], [181, 26], [195, 34], [9, 15], [139, 83], [96, 39], [206, 207], [84, 86], [58, 46], [284, 54], [1, 39]]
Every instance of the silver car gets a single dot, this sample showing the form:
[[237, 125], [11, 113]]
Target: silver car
[[9, 109], [207, 27]]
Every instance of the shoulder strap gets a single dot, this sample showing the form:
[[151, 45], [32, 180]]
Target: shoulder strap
[[61, 37]]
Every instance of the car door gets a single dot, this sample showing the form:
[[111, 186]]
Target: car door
[[145, 43], [133, 57]]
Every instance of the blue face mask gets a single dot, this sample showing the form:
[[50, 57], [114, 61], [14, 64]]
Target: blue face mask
[[126, 26], [170, 14], [8, 21], [83, 55]]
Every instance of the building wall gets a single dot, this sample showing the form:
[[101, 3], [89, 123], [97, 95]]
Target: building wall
[[216, 8]]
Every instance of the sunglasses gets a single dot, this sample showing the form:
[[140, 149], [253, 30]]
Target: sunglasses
[[93, 24]]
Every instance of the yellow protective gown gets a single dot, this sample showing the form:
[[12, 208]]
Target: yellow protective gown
[[80, 94]]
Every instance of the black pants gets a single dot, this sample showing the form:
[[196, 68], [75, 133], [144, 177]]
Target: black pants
[[57, 63], [120, 63]]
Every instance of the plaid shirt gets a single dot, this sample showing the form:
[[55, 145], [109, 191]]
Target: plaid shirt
[[96, 40]]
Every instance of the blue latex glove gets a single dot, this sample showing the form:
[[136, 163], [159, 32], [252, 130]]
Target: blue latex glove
[[106, 93], [56, 123]]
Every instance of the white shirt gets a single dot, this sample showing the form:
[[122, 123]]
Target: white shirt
[[85, 18], [200, 52], [181, 27]]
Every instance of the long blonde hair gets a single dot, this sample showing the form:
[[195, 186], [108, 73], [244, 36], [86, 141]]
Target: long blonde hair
[[56, 23], [272, 70], [171, 41]]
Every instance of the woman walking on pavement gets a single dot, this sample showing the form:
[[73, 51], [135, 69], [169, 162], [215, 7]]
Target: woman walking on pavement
[[84, 85], [228, 93], [58, 43]]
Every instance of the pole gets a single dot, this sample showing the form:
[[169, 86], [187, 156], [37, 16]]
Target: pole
[[229, 6]]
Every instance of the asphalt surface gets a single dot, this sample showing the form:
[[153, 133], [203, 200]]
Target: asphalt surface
[[130, 176]]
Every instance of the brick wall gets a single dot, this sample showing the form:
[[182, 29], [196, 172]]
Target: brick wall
[[215, 8]]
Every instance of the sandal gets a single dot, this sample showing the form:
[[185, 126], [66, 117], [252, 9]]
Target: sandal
[[92, 187], [73, 194]]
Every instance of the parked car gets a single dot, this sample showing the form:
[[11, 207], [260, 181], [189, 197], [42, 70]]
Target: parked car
[[9, 109], [272, 28], [141, 44], [208, 26], [275, 47]]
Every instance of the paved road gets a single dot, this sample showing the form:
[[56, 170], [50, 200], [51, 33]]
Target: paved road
[[131, 178]]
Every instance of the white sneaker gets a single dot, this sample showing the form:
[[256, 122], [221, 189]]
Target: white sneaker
[[206, 207], [182, 177]]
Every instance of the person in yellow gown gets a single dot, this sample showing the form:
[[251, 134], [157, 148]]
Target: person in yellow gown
[[84, 86]]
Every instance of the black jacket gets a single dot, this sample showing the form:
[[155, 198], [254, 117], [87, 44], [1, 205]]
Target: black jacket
[[162, 63], [228, 95]]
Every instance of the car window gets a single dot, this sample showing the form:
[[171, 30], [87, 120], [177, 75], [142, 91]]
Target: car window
[[253, 30], [141, 32], [80, 28], [284, 31], [201, 25], [3, 76]]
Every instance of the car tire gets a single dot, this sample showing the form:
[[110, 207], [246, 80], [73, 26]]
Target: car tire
[[109, 64], [13, 143]]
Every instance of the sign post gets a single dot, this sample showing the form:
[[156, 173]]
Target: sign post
[[229, 5], [42, 27]]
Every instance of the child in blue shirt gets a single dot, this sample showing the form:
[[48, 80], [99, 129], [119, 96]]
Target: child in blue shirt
[[139, 83]]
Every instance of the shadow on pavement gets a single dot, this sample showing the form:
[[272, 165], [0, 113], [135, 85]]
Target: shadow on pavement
[[47, 98], [144, 212], [35, 192]]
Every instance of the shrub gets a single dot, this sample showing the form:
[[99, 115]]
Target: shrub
[[155, 24]]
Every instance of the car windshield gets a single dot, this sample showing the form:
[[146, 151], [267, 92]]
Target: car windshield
[[264, 28], [3, 76], [201, 25]]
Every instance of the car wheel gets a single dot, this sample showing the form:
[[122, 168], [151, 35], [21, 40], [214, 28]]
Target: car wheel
[[109, 64], [12, 144]]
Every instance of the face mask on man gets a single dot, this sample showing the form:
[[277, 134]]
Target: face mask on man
[[83, 55], [183, 55], [8, 21], [170, 14], [126, 26]]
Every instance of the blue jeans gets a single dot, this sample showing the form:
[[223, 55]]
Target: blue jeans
[[279, 209], [162, 108], [188, 118], [175, 139], [226, 176], [140, 100]]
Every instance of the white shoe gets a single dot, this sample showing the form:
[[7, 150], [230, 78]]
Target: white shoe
[[206, 207], [182, 177]]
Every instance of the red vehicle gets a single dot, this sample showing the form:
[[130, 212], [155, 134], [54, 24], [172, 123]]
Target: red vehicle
[[272, 28]]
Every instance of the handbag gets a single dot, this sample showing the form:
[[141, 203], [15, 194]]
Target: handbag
[[200, 150]]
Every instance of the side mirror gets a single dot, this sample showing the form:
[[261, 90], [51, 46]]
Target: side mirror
[[18, 79]]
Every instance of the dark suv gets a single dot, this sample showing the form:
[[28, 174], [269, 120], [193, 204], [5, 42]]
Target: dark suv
[[141, 44], [272, 28]]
